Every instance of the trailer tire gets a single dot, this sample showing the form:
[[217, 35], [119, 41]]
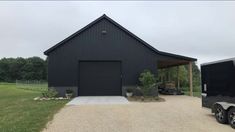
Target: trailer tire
[[231, 117], [220, 114]]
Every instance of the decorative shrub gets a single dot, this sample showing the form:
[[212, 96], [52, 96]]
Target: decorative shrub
[[69, 91], [138, 91], [51, 92], [148, 83], [129, 90]]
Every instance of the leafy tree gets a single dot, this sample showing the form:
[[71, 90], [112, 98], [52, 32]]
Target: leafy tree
[[183, 77], [33, 68], [196, 75], [4, 70]]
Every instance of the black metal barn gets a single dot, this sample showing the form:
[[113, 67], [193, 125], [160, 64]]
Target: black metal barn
[[103, 58]]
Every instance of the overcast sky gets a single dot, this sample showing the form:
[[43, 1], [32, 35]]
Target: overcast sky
[[203, 30]]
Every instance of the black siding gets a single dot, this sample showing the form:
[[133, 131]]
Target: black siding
[[115, 45]]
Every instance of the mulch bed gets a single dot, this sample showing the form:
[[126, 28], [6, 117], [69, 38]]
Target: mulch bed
[[145, 99]]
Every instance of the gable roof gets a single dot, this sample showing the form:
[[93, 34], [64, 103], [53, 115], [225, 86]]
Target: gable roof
[[123, 29]]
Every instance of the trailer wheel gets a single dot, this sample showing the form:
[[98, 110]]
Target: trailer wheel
[[220, 114], [231, 117]]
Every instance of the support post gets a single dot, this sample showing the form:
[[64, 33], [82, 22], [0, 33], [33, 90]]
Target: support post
[[190, 71], [178, 80]]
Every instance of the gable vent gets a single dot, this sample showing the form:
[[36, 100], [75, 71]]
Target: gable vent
[[104, 32]]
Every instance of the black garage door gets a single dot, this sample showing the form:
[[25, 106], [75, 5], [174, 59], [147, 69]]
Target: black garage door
[[99, 78]]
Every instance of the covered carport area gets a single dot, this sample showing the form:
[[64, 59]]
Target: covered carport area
[[168, 60]]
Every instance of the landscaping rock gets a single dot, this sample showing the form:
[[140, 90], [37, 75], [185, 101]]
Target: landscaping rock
[[43, 98], [36, 98]]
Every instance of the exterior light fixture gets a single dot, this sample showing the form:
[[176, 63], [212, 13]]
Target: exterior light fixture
[[104, 32]]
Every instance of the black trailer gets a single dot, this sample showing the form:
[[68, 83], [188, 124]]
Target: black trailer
[[218, 89]]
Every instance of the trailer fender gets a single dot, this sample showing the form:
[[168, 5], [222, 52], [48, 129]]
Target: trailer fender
[[225, 105]]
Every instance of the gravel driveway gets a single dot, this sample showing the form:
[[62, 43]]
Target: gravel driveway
[[176, 114]]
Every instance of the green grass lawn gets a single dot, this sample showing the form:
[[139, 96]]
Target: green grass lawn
[[195, 94], [196, 91], [20, 113]]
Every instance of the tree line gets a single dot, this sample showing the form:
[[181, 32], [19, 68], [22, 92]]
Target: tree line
[[172, 74], [33, 68]]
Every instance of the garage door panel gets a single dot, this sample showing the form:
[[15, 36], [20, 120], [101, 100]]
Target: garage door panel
[[99, 78]]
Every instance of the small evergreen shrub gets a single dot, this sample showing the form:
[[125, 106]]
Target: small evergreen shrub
[[50, 93]]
